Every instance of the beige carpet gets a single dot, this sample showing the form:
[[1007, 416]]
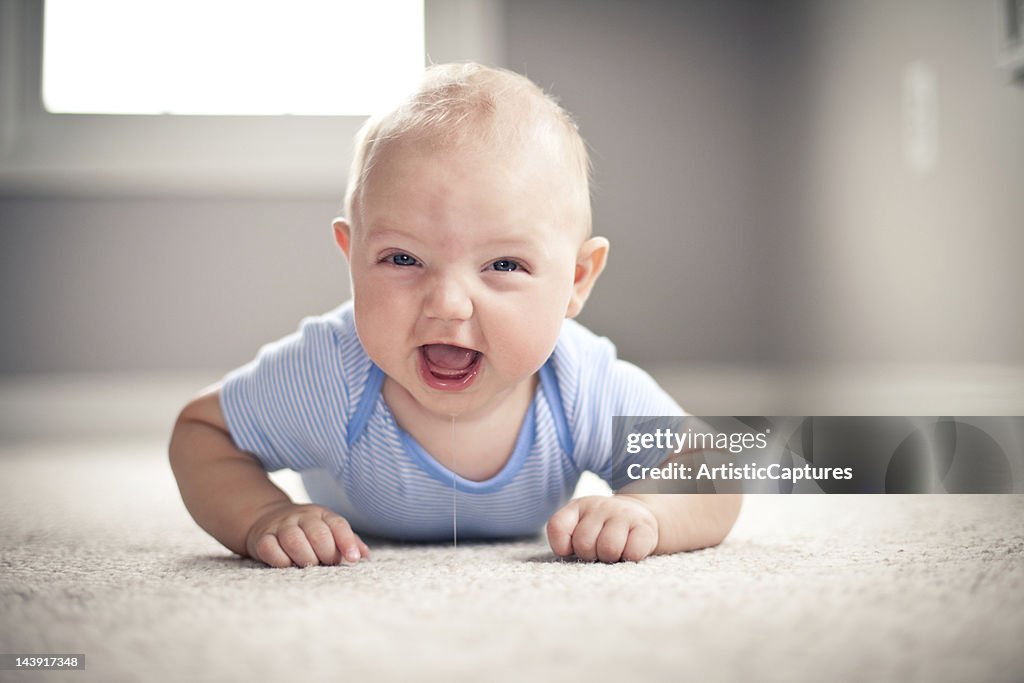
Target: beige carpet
[[97, 556]]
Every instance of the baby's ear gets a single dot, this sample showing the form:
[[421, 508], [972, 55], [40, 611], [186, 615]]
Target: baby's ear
[[590, 261], [343, 235]]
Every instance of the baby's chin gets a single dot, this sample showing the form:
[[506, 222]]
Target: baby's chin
[[474, 401], [445, 405], [411, 390]]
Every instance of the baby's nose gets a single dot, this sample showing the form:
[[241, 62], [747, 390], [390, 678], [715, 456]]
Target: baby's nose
[[447, 299]]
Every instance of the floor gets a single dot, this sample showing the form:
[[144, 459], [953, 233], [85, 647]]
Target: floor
[[99, 557]]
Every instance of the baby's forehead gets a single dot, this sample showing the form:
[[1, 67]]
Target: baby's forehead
[[479, 113], [531, 174], [507, 191], [534, 151]]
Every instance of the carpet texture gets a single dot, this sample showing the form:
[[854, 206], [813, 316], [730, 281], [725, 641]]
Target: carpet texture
[[99, 557]]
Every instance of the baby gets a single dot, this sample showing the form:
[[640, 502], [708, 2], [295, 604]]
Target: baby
[[454, 395]]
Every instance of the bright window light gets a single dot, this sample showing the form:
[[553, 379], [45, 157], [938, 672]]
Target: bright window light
[[231, 57]]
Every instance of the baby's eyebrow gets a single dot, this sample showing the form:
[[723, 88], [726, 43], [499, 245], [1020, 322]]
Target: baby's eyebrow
[[513, 243], [383, 234]]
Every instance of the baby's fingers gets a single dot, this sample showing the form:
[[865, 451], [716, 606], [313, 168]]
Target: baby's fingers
[[269, 551], [321, 540], [350, 546], [612, 540], [585, 535], [560, 528], [294, 542], [641, 542]]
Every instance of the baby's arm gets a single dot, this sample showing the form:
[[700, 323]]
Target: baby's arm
[[228, 493], [631, 526]]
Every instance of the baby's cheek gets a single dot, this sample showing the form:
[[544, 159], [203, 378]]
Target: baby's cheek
[[528, 348], [373, 332]]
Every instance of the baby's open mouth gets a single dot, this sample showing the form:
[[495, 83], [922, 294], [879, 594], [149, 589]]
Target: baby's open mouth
[[447, 366]]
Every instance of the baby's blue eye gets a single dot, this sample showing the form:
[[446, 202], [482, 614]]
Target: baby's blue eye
[[505, 266], [403, 260]]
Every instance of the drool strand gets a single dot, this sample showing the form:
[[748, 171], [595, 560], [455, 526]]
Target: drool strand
[[455, 507]]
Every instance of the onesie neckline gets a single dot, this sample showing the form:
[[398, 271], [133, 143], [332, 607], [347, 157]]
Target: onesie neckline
[[546, 387], [373, 396], [524, 443]]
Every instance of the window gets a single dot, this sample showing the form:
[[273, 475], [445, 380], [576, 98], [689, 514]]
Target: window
[[237, 139], [229, 57], [1010, 37]]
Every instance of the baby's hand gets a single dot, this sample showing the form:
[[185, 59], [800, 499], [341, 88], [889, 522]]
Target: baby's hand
[[606, 528], [304, 535]]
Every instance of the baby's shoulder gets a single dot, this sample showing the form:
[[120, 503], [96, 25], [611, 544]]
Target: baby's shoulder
[[599, 381], [328, 334], [581, 348], [338, 324], [580, 358], [331, 338], [324, 350]]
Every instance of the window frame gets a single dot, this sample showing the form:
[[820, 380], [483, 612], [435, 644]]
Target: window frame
[[47, 154], [1010, 38]]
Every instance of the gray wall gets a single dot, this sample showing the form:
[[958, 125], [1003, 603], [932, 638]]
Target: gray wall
[[749, 174], [666, 95], [160, 284], [897, 265]]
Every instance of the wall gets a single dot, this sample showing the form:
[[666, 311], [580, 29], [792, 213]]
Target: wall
[[159, 284], [665, 95], [749, 174], [894, 264]]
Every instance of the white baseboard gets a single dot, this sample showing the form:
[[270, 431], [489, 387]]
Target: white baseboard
[[100, 405], [879, 389], [104, 405]]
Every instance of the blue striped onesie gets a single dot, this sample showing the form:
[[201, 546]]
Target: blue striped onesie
[[312, 402]]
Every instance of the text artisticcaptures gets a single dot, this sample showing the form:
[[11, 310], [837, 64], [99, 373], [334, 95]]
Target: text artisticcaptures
[[830, 454]]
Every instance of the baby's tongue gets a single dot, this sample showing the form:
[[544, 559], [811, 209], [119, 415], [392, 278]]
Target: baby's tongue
[[449, 357]]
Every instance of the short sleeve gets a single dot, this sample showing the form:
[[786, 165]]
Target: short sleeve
[[609, 387], [287, 406]]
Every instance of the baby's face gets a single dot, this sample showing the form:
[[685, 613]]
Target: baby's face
[[463, 271]]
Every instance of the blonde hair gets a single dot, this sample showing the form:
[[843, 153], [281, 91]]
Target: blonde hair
[[463, 102]]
